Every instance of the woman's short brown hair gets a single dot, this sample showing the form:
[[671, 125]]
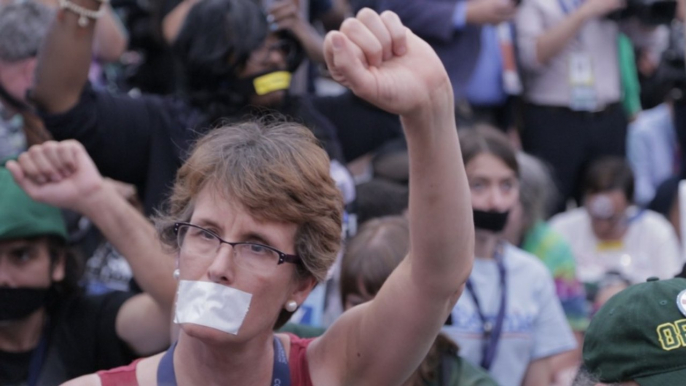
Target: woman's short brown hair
[[278, 172]]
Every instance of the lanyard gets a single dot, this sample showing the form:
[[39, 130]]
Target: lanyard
[[38, 356], [492, 332], [281, 375]]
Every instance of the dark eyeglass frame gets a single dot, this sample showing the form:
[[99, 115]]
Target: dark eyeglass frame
[[283, 257]]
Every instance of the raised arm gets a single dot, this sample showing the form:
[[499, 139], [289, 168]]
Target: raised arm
[[64, 60], [540, 46], [111, 38], [61, 174], [382, 342]]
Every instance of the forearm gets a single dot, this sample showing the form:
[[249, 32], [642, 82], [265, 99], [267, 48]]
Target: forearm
[[136, 239], [441, 225], [539, 373], [312, 42], [172, 23], [110, 37], [553, 41], [64, 60]]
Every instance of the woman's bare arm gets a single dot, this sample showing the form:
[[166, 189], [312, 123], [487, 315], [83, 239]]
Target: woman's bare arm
[[382, 342]]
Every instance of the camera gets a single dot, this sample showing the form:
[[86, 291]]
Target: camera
[[649, 12]]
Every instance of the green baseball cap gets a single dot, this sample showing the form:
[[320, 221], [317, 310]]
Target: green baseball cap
[[22, 217], [640, 335]]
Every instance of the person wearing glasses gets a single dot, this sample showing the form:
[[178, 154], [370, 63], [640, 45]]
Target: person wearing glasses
[[254, 221], [610, 234], [233, 67]]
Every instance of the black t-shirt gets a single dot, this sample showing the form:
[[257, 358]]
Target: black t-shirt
[[144, 140], [82, 340]]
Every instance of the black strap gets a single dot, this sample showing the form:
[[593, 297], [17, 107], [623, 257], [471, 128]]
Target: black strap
[[39, 355], [281, 375], [492, 332]]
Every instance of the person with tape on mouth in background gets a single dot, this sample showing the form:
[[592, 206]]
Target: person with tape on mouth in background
[[509, 320], [233, 65], [254, 221]]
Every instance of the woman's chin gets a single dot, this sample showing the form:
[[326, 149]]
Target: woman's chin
[[209, 335]]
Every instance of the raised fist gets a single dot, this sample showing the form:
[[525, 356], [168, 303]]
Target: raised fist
[[386, 64], [58, 173]]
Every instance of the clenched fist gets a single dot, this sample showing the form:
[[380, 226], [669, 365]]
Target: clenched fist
[[58, 173], [386, 64]]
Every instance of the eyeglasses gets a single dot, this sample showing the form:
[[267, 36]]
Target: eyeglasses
[[198, 242]]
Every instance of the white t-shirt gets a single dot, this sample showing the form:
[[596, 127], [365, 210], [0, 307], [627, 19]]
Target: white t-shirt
[[535, 326], [649, 248]]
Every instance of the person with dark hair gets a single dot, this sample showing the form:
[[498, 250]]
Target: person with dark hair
[[234, 66], [509, 321], [637, 337], [610, 234], [50, 331], [370, 258]]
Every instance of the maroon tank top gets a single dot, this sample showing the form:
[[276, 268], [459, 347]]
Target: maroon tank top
[[297, 363]]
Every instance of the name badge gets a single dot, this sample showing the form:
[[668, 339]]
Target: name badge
[[582, 83]]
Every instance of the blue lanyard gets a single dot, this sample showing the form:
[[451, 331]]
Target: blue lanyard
[[281, 376], [492, 332], [38, 356]]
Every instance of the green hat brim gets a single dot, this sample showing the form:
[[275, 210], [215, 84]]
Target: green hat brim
[[677, 377]]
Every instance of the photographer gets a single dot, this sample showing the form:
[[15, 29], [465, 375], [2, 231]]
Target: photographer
[[572, 72]]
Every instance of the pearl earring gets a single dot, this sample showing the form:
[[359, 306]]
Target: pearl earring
[[291, 306], [177, 274]]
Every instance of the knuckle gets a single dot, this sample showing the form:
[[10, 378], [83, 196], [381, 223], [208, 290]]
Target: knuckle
[[366, 13], [349, 25], [23, 158], [35, 149]]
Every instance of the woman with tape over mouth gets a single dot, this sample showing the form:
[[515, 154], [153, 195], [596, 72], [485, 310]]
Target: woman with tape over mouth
[[509, 320], [254, 222]]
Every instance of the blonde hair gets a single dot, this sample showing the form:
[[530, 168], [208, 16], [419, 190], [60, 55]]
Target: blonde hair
[[278, 172]]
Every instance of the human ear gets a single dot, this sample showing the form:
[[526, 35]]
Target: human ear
[[303, 287]]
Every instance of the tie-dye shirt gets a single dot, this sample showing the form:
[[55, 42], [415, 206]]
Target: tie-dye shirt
[[549, 246]]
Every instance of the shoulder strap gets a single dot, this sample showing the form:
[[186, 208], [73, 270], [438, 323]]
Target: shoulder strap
[[121, 376]]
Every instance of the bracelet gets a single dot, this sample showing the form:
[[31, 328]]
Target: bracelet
[[84, 13]]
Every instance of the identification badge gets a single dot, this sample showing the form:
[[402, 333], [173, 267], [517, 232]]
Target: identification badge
[[582, 83]]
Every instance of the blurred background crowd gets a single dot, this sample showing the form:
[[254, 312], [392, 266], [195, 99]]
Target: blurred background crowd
[[571, 115]]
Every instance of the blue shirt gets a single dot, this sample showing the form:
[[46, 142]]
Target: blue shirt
[[651, 150], [485, 87]]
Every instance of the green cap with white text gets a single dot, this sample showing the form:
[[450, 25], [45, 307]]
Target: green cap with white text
[[22, 217], [640, 335]]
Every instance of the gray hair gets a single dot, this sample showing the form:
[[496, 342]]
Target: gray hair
[[23, 25], [537, 190]]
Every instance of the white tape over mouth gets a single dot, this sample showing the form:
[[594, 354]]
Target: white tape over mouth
[[211, 305]]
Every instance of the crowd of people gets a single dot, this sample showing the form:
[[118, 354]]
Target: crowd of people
[[342, 192]]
